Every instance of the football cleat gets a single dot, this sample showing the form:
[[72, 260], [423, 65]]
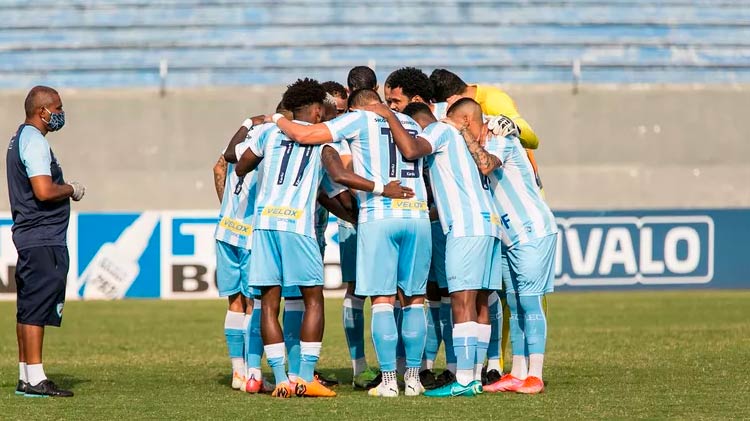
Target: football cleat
[[507, 383], [413, 387], [455, 389], [313, 389], [427, 378], [258, 386], [493, 376], [238, 380], [363, 379], [46, 388], [531, 386], [375, 382], [383, 390], [329, 381], [21, 387], [283, 390], [446, 377]]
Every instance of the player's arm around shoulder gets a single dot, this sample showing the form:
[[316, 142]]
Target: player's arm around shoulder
[[314, 134], [498, 102], [410, 147]]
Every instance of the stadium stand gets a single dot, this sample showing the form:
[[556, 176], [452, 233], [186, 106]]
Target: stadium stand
[[108, 43]]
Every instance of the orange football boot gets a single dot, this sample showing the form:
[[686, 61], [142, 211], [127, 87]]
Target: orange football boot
[[282, 390], [507, 383], [531, 386], [313, 389]]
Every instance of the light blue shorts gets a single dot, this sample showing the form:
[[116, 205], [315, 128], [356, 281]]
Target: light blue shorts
[[348, 252], [286, 259], [473, 263], [232, 269], [393, 253], [529, 268], [437, 264], [286, 292]]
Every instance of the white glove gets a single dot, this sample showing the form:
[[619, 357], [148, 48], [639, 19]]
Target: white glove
[[78, 190], [503, 126]]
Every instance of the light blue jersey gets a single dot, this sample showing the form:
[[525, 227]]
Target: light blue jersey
[[376, 157], [289, 177], [235, 225], [524, 215], [440, 110], [462, 194]]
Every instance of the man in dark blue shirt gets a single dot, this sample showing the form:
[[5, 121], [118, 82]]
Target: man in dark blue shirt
[[40, 204]]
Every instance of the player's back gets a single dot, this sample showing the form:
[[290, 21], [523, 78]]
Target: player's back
[[289, 177], [376, 157], [238, 203], [524, 213], [461, 192]]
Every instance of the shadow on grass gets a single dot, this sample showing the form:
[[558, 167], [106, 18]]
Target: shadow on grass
[[342, 375], [67, 381]]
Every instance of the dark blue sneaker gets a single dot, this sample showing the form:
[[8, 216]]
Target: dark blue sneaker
[[46, 388], [21, 387]]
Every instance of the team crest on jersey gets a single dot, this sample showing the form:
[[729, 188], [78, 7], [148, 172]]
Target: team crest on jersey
[[419, 205], [282, 212]]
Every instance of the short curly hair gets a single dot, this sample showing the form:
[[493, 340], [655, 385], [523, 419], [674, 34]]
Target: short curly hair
[[302, 93], [335, 89], [412, 82]]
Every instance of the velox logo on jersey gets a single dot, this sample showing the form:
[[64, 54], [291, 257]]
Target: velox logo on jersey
[[188, 250], [8, 258], [624, 250]]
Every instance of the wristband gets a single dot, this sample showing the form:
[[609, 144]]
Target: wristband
[[248, 124], [276, 117], [378, 189]]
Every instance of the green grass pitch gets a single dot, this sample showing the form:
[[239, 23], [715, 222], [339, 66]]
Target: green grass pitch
[[610, 355]]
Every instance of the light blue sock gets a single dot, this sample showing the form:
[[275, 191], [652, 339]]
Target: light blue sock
[[384, 336], [235, 334], [276, 354], [434, 333], [354, 326], [310, 352], [483, 341], [517, 322], [294, 310], [398, 314], [496, 336], [414, 332], [254, 350], [465, 347], [535, 324], [446, 324]]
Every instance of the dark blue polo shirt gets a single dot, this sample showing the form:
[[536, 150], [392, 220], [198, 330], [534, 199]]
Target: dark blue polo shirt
[[35, 223]]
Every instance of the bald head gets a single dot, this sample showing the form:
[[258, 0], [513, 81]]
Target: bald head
[[362, 97], [40, 97]]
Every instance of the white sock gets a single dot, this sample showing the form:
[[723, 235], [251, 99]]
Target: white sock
[[483, 335], [536, 361], [254, 373], [411, 372], [359, 365], [238, 365], [428, 364], [494, 364], [519, 369], [246, 321], [22, 372], [35, 373]]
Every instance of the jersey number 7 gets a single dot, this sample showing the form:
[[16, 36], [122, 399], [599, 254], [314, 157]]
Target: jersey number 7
[[290, 145]]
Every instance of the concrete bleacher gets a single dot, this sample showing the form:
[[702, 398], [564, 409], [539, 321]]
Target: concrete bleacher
[[105, 43]]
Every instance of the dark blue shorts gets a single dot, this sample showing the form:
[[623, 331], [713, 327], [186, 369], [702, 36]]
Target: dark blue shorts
[[41, 278]]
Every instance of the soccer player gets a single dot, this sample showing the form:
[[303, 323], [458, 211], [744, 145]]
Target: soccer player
[[40, 204], [286, 253], [339, 94], [403, 87], [362, 77], [393, 250], [472, 254], [529, 240]]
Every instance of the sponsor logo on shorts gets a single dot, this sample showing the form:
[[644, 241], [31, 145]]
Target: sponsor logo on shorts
[[419, 205], [282, 212], [60, 309], [235, 226]]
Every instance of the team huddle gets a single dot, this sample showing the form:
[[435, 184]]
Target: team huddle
[[442, 224]]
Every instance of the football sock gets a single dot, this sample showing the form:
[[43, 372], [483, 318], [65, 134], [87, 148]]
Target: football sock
[[535, 331], [483, 340], [414, 332], [519, 369], [294, 310], [389, 377], [309, 354], [465, 347], [235, 337], [22, 372], [517, 338], [276, 354], [411, 372], [496, 321], [35, 373], [354, 330], [384, 336], [434, 334], [398, 314], [446, 325], [254, 351]]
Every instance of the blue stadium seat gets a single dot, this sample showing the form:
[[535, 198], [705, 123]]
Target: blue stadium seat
[[121, 42]]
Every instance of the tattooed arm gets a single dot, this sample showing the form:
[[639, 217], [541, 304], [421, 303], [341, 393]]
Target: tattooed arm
[[486, 161], [220, 176]]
